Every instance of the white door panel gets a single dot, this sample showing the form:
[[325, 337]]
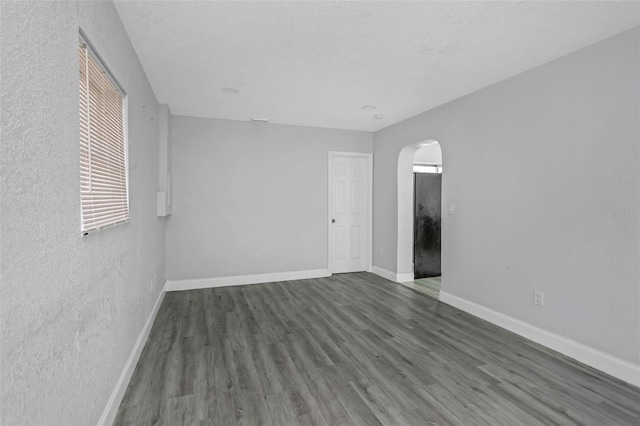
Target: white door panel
[[349, 210]]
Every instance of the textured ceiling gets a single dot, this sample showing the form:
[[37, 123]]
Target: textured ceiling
[[317, 63]]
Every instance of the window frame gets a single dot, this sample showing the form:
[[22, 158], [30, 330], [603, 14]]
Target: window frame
[[84, 43], [432, 168]]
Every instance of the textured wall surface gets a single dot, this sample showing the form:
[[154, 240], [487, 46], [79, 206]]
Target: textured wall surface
[[71, 307], [557, 211], [244, 188]]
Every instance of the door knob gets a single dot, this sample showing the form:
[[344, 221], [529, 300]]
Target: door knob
[[333, 220]]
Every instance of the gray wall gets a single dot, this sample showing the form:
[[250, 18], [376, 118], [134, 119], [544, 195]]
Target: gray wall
[[71, 307], [563, 140], [242, 188]]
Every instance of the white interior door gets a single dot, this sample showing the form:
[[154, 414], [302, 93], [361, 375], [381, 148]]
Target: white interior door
[[349, 211]]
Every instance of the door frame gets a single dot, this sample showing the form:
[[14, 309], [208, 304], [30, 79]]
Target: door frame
[[404, 236], [368, 156]]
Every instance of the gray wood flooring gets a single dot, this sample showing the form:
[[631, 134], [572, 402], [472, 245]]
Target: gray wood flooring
[[354, 349]]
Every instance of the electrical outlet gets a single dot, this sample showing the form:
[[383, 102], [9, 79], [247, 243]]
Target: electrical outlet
[[381, 252], [538, 298], [256, 258]]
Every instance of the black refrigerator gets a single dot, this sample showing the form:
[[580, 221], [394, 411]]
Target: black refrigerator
[[427, 217]]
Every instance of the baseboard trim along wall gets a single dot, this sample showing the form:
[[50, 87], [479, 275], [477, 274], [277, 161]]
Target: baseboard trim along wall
[[609, 364], [392, 276], [403, 278], [194, 284], [110, 411]]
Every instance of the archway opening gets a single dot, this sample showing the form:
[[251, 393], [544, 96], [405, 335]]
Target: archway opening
[[425, 156]]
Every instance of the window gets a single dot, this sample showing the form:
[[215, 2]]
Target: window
[[427, 168], [103, 148]]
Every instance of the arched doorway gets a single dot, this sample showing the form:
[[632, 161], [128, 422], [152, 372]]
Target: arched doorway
[[407, 158]]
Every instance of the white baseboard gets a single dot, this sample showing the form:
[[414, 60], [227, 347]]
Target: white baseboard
[[110, 411], [403, 278], [194, 284], [604, 362], [392, 276]]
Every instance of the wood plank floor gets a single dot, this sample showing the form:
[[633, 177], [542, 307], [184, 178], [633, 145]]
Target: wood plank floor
[[354, 349]]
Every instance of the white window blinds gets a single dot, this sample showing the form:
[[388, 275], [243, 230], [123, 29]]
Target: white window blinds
[[103, 157]]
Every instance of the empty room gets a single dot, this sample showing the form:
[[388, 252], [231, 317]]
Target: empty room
[[319, 212]]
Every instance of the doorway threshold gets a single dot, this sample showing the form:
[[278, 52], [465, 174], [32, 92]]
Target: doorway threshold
[[429, 286]]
